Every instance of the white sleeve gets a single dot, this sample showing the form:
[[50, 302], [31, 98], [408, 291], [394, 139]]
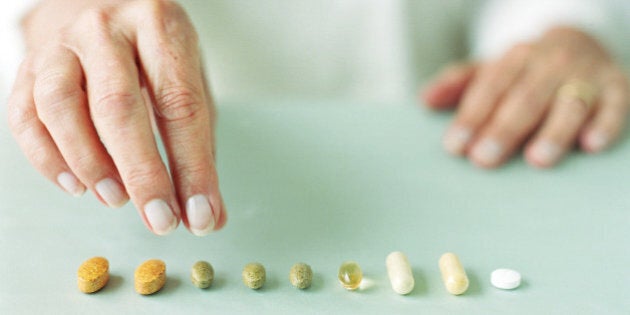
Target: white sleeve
[[503, 23], [11, 13]]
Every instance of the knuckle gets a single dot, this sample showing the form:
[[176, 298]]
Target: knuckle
[[170, 6], [525, 96], [95, 18], [51, 91], [85, 165], [95, 24], [162, 9], [20, 118], [143, 175], [179, 104], [562, 57], [193, 170], [117, 105], [172, 22], [39, 156]]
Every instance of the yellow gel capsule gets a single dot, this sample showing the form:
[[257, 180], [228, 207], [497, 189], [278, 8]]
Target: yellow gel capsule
[[453, 274], [350, 275], [93, 274]]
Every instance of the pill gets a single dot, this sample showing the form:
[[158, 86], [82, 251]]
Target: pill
[[453, 274], [93, 274], [506, 279], [350, 275], [150, 276], [301, 275], [399, 272], [254, 275], [202, 274]]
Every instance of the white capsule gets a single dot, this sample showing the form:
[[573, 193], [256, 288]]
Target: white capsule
[[453, 274], [399, 272], [505, 279]]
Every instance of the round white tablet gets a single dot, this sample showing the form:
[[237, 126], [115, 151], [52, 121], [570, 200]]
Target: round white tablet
[[506, 279]]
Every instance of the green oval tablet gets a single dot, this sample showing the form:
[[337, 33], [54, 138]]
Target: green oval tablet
[[301, 275], [202, 274], [254, 275]]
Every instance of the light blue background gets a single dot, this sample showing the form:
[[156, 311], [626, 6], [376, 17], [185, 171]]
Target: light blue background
[[326, 182]]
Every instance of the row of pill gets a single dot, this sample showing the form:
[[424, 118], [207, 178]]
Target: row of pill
[[150, 276], [453, 275]]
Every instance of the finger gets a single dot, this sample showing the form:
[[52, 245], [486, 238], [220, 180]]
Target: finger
[[516, 117], [447, 88], [221, 214], [559, 131], [34, 139], [62, 107], [609, 120], [171, 62], [480, 99], [122, 121]]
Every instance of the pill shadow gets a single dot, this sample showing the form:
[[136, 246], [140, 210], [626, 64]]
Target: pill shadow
[[474, 286], [114, 283], [170, 286], [271, 283], [317, 284], [420, 283], [217, 284], [523, 286]]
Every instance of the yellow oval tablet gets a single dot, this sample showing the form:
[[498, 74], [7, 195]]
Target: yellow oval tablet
[[93, 274], [150, 276]]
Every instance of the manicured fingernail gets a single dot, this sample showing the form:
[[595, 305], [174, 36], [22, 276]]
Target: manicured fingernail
[[160, 216], [111, 192], [596, 141], [70, 184], [200, 216], [487, 152], [545, 152], [456, 139]]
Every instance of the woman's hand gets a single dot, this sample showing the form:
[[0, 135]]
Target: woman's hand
[[94, 83], [549, 95]]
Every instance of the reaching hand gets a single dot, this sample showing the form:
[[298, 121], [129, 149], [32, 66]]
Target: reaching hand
[[85, 103]]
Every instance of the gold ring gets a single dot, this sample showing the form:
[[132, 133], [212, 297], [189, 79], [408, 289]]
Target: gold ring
[[578, 90]]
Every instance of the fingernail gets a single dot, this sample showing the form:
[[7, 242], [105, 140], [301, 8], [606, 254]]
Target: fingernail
[[456, 139], [160, 216], [545, 152], [596, 141], [70, 184], [111, 192], [487, 152], [200, 216]]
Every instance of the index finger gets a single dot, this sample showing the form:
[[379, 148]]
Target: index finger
[[122, 121]]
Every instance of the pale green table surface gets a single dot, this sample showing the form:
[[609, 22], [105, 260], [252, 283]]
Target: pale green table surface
[[326, 182]]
